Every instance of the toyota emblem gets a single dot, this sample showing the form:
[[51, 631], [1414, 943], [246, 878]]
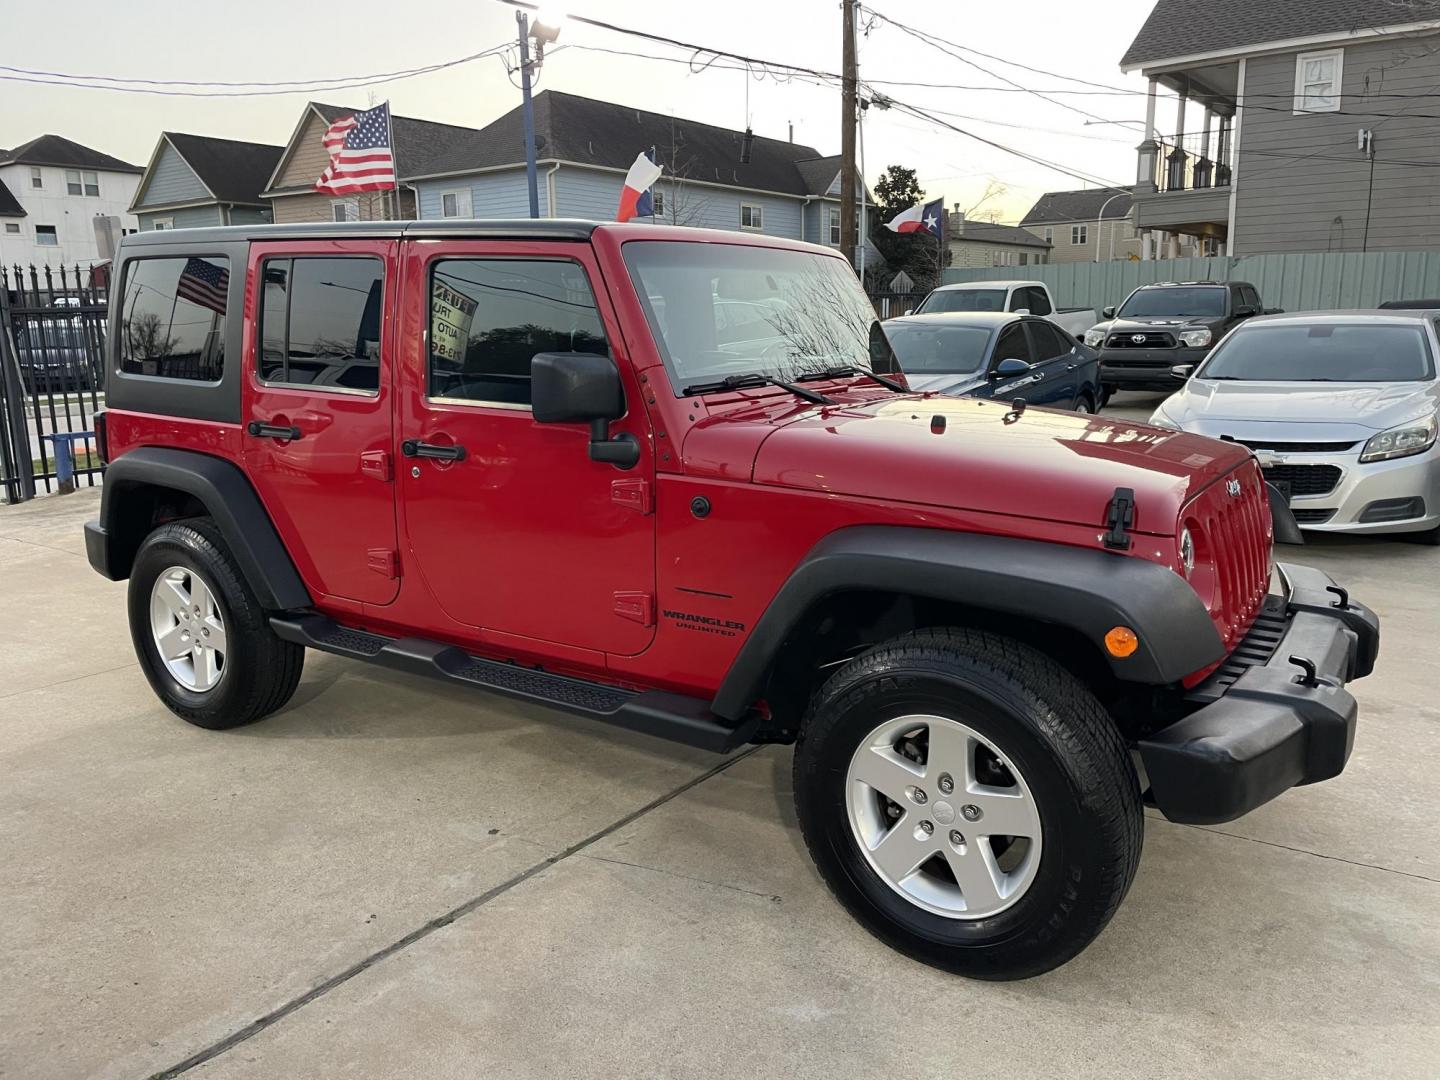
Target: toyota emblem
[[1138, 339], [1233, 487]]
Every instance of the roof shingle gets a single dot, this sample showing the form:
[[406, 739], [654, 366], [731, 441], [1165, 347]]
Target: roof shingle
[[236, 172], [1178, 28], [61, 152], [1083, 205], [986, 232]]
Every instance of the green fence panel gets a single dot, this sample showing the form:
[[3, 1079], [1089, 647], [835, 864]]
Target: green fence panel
[[1312, 282]]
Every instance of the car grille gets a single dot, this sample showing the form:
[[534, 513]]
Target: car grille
[[1312, 517], [1150, 340], [1238, 533], [1294, 447], [1306, 479]]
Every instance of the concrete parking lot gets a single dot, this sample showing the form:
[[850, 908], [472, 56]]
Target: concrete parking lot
[[391, 878]]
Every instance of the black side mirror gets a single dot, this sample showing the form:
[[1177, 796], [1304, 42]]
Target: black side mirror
[[579, 388], [1009, 369], [1244, 312], [1107, 312]]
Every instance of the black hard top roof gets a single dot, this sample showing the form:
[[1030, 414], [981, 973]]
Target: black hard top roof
[[506, 229]]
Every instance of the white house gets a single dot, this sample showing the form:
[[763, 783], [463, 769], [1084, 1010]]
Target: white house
[[51, 190]]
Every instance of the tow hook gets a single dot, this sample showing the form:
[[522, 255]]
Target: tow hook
[[1306, 665], [1343, 601]]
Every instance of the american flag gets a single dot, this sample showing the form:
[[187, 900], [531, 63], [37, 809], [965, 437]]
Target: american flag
[[204, 283], [361, 157]]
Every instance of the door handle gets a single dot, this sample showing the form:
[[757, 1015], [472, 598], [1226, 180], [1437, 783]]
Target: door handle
[[1070, 367], [437, 451], [272, 431]]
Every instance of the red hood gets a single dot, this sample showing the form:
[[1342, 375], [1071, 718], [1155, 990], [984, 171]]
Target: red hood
[[1053, 466]]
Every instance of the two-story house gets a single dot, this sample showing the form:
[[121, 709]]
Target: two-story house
[[974, 243], [1316, 131], [51, 192], [196, 180], [1089, 225], [714, 177]]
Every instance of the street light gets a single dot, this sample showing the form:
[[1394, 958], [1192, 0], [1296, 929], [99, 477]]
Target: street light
[[545, 30]]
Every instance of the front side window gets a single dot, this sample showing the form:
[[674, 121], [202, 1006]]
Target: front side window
[[1049, 341], [751, 216], [46, 236], [1321, 352], [1196, 301], [723, 310], [173, 317], [320, 321], [1079, 234], [1317, 81], [1013, 344], [489, 317]]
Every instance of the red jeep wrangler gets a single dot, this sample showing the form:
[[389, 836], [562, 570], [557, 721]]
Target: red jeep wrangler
[[662, 478]]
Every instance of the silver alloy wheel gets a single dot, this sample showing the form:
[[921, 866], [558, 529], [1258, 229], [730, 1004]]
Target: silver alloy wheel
[[188, 628], [943, 816]]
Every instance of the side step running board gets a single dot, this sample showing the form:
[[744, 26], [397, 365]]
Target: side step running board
[[654, 712]]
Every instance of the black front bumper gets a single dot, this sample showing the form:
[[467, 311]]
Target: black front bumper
[[1146, 369], [1262, 726]]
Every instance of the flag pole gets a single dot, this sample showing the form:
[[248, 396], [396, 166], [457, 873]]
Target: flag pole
[[394, 164]]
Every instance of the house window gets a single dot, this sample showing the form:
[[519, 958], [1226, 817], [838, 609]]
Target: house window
[[345, 209], [1317, 81], [751, 216], [1049, 234], [160, 224], [833, 218], [1079, 234], [46, 236], [92, 184], [657, 199], [12, 227], [72, 181], [1002, 257], [37, 178], [455, 204]]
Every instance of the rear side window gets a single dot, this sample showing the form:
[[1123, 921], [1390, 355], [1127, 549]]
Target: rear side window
[[489, 317], [172, 323], [320, 322]]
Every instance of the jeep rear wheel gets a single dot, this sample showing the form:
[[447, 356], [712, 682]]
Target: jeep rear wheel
[[200, 634], [969, 801]]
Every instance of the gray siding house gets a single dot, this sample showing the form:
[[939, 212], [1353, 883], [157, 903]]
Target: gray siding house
[[584, 148], [974, 244], [1316, 126], [1089, 225], [197, 180]]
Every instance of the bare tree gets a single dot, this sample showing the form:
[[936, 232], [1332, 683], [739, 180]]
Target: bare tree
[[994, 189]]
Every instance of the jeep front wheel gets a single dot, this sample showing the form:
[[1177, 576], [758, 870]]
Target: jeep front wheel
[[200, 634], [969, 801]]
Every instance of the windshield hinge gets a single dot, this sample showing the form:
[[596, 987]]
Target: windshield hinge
[[1119, 516]]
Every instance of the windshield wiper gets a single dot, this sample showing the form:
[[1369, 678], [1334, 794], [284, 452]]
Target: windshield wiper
[[755, 378], [852, 369]]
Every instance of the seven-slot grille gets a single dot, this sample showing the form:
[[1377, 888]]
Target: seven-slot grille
[[1305, 479], [1296, 447], [1147, 339], [1237, 534]]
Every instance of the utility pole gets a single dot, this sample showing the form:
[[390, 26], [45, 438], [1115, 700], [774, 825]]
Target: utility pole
[[528, 111], [847, 135]]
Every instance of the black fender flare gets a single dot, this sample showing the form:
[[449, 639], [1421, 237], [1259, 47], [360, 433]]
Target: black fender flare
[[1082, 589], [228, 497]]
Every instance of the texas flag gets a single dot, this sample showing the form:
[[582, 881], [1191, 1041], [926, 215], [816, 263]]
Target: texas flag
[[928, 218], [635, 199]]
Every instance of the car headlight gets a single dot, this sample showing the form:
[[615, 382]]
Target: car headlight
[[1403, 441], [1195, 338], [1187, 552], [1160, 418], [1095, 338]]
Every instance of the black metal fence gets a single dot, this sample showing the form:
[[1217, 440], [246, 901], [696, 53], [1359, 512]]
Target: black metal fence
[[52, 349]]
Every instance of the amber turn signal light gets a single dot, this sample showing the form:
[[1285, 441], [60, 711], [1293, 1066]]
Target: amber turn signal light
[[1120, 641]]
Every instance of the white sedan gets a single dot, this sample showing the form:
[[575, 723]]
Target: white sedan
[[1339, 407]]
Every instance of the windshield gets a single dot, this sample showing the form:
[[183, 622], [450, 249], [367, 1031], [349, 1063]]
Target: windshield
[[938, 350], [963, 300], [1323, 352], [1202, 301], [721, 310]]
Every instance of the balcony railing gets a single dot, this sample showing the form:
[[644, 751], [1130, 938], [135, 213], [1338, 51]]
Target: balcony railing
[[1193, 161]]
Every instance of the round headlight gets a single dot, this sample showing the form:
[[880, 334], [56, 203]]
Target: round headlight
[[1187, 552]]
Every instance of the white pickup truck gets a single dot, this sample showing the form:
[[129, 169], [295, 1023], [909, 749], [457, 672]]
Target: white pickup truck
[[1023, 297]]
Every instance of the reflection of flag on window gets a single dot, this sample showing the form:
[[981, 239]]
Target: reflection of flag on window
[[204, 283]]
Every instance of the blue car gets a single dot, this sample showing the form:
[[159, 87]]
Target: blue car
[[996, 354]]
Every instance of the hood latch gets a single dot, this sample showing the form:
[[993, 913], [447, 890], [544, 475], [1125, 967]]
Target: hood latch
[[1119, 516]]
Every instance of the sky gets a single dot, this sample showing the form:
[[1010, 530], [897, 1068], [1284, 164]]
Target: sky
[[303, 40]]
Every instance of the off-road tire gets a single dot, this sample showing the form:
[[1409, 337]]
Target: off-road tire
[[1064, 744], [261, 671]]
